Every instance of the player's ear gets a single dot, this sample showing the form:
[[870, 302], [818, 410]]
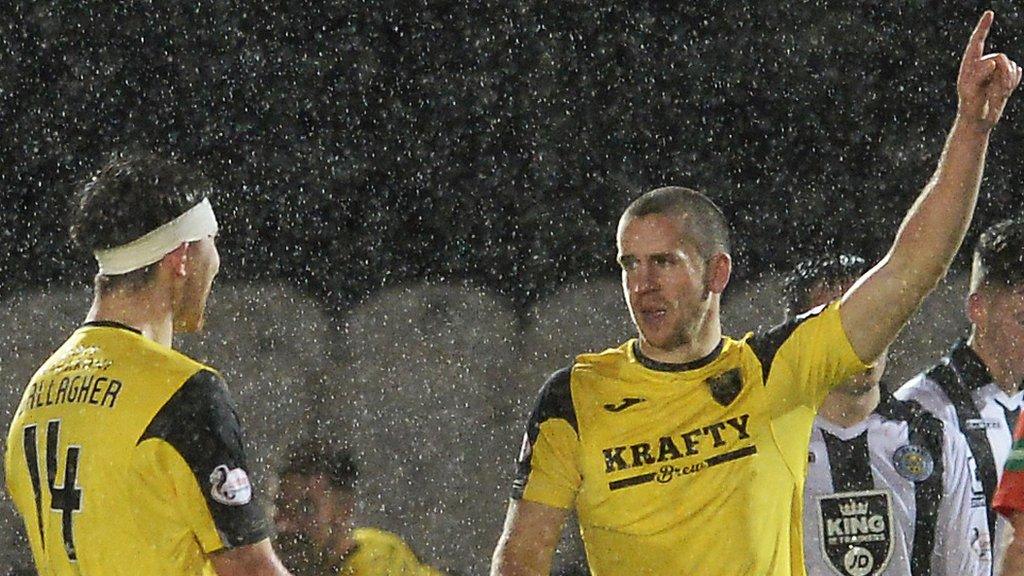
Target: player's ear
[[719, 270], [977, 312], [176, 260]]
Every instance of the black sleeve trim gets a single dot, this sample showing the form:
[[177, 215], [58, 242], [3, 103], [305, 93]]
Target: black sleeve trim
[[554, 402], [201, 423], [766, 345]]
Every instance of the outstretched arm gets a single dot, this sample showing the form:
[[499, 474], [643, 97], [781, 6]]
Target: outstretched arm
[[879, 304]]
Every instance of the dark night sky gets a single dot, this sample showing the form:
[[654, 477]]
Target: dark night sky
[[357, 145]]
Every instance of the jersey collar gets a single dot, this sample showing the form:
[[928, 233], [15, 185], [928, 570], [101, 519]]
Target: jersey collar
[[110, 324], [652, 364], [971, 369]]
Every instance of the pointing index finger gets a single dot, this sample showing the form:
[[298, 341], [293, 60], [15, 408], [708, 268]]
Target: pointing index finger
[[976, 45]]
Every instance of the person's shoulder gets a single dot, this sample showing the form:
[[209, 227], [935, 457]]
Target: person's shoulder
[[375, 543], [608, 363], [766, 343], [554, 401], [196, 377], [189, 364], [900, 410], [609, 358], [927, 392], [201, 404], [377, 538]]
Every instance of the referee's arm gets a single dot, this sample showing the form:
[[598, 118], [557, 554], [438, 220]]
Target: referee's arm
[[879, 304], [529, 539]]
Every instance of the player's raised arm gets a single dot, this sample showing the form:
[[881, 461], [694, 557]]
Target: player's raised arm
[[878, 305]]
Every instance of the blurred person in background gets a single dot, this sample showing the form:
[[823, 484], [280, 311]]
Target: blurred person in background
[[684, 452], [975, 388], [125, 456], [886, 464], [317, 534]]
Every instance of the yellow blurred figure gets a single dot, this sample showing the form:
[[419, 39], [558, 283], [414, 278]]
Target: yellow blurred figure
[[315, 521]]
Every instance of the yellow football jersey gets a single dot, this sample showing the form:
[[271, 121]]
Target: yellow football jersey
[[379, 553], [687, 469], [126, 457]]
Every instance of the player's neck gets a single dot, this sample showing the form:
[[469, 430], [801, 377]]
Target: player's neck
[[144, 310], [991, 359], [700, 346], [847, 409]]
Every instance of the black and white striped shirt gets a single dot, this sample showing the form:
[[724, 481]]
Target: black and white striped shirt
[[892, 495], [960, 391]]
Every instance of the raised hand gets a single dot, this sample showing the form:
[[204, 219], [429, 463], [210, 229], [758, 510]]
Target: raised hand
[[985, 81]]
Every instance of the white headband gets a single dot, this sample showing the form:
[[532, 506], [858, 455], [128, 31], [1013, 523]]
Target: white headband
[[196, 224]]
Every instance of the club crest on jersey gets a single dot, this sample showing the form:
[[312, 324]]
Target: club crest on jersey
[[913, 462], [230, 486], [726, 387], [857, 531]]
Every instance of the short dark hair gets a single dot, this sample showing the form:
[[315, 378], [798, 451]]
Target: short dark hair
[[810, 273], [999, 255], [311, 458], [132, 195], [713, 232]]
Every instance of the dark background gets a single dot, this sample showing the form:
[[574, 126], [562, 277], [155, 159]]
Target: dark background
[[357, 145]]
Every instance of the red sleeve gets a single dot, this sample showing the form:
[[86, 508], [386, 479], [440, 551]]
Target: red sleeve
[[1009, 496]]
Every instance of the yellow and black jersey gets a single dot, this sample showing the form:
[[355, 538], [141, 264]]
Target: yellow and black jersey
[[126, 457], [380, 553], [687, 468]]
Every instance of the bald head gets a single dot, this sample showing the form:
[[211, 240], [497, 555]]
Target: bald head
[[700, 219]]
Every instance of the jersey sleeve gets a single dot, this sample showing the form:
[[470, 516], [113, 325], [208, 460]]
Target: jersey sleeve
[[963, 544], [802, 359], [194, 448], [547, 470], [1009, 496]]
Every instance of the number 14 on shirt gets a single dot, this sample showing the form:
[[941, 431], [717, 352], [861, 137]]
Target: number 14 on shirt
[[65, 498]]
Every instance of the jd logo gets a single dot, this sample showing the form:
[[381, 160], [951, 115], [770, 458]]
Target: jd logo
[[857, 531], [726, 387], [858, 561]]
